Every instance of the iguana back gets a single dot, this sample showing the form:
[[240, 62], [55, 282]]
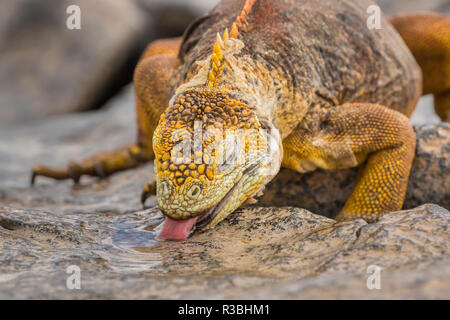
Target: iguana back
[[323, 49]]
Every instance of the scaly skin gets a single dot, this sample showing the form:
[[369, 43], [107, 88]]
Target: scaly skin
[[428, 37], [310, 87]]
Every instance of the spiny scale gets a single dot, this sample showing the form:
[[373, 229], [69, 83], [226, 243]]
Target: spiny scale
[[216, 63], [241, 18], [217, 56]]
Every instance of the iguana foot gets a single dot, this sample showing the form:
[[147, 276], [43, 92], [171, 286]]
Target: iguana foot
[[149, 190], [100, 165]]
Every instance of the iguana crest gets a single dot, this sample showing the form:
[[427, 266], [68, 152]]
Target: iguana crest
[[217, 57]]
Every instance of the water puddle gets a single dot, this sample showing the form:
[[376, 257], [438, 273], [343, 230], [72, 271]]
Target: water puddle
[[139, 229], [129, 233]]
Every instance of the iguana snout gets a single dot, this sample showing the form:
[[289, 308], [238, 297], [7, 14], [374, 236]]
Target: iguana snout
[[211, 156]]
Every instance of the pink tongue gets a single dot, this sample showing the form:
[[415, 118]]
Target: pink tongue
[[177, 230]]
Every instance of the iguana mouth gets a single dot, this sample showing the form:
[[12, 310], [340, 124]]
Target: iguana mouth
[[208, 216], [181, 229]]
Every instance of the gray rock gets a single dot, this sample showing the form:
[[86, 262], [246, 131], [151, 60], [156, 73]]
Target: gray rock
[[400, 6], [255, 253], [171, 17]]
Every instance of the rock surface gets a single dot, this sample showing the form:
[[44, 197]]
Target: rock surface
[[171, 17], [256, 253]]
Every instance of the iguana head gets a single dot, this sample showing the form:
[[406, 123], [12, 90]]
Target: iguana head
[[211, 156], [212, 152]]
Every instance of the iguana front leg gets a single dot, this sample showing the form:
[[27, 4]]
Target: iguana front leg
[[380, 139], [153, 86]]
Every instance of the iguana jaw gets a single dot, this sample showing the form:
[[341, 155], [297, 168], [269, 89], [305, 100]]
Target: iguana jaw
[[204, 219], [223, 208], [247, 184]]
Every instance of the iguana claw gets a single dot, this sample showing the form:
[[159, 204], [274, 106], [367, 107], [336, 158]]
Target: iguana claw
[[149, 190], [58, 174]]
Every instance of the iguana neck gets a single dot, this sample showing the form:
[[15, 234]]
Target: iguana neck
[[263, 88]]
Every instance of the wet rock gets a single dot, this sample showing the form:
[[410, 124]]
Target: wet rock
[[48, 69], [255, 253]]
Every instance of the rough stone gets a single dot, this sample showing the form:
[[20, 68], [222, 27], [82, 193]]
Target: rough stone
[[256, 253]]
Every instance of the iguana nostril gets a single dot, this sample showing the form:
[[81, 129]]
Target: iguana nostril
[[194, 191]]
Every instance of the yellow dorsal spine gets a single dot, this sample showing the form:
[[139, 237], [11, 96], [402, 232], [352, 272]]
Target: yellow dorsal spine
[[241, 20], [225, 35], [216, 62], [234, 31], [217, 55]]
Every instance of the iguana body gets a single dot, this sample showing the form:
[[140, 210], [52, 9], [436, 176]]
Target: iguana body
[[329, 92]]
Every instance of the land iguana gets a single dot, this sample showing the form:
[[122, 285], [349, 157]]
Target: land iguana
[[305, 82]]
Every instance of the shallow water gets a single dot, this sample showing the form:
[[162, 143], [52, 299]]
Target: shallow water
[[136, 230], [141, 231]]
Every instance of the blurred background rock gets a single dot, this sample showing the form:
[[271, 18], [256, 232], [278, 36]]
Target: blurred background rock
[[394, 6], [46, 69]]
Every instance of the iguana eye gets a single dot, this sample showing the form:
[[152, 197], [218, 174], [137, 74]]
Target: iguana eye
[[194, 191]]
